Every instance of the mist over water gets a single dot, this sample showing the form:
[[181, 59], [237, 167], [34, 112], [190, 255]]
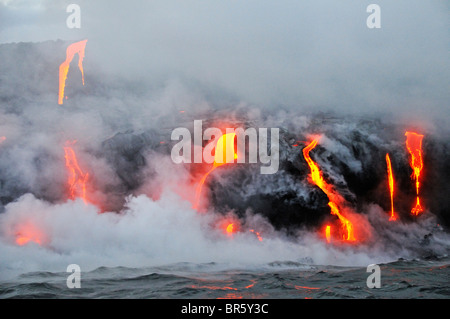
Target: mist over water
[[156, 233]]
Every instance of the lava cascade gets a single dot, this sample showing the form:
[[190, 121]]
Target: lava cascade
[[224, 153], [334, 198], [393, 217], [77, 178], [74, 48], [414, 146]]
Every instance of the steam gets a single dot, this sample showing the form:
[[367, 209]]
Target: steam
[[154, 233]]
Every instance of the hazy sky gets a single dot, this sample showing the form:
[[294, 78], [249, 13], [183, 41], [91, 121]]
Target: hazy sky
[[306, 54]]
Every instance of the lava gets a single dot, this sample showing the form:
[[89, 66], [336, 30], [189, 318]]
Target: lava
[[257, 234], [334, 198], [2, 139], [224, 153], [328, 233], [77, 178], [414, 146], [391, 186], [344, 221], [230, 229], [28, 233], [74, 48], [22, 240]]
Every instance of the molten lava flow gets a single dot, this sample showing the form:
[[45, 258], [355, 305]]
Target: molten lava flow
[[317, 179], [391, 186], [22, 240], [28, 233], [257, 234], [328, 233], [344, 221], [77, 179], [230, 229], [78, 47], [414, 146], [213, 287], [198, 190], [253, 282], [224, 153]]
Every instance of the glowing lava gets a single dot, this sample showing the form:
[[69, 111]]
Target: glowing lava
[[334, 198], [414, 146], [77, 179], [224, 153], [74, 48], [257, 234], [230, 229], [22, 240], [391, 186], [2, 139], [28, 233], [328, 233]]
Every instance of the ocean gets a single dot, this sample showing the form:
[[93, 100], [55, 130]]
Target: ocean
[[422, 279]]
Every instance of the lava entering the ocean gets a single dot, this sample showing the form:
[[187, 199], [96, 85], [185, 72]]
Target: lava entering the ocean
[[334, 198], [74, 48], [77, 178], [414, 146], [27, 233], [328, 233], [258, 235], [391, 186], [230, 229], [224, 153]]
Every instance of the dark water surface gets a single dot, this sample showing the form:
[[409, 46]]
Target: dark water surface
[[400, 279]]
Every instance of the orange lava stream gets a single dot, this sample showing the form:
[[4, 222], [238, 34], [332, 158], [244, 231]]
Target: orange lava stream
[[225, 153], [391, 186], [414, 146], [77, 179], [74, 48], [230, 229], [257, 234], [316, 176], [328, 233], [198, 190]]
